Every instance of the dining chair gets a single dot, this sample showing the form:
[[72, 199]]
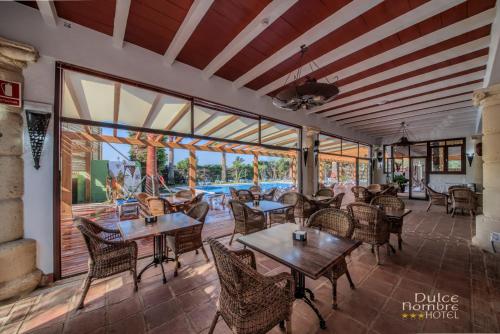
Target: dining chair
[[250, 302], [156, 206], [185, 193], [234, 192], [109, 254], [255, 188], [370, 226], [463, 199], [361, 194], [304, 208], [269, 195], [246, 220], [337, 200], [395, 224], [285, 215], [340, 224], [245, 195], [436, 198], [375, 187], [188, 239], [327, 192]]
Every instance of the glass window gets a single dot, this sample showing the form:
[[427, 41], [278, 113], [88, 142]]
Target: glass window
[[349, 148], [364, 151], [418, 150], [277, 134], [328, 144], [364, 172], [437, 159], [455, 142], [454, 158]]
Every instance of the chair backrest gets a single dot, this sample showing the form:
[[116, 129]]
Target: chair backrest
[[328, 192], [270, 193], [90, 232], [197, 199], [389, 201], [234, 275], [359, 191], [461, 194], [234, 192], [141, 197], [185, 193], [156, 206], [289, 198], [333, 221], [238, 209], [374, 187], [430, 192], [198, 211], [456, 186], [254, 188], [245, 195], [366, 214], [337, 200]]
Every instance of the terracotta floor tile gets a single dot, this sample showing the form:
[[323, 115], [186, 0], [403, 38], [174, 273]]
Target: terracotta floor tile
[[339, 323], [124, 309], [131, 325], [51, 329], [161, 313], [179, 324], [159, 295], [201, 317], [85, 322]]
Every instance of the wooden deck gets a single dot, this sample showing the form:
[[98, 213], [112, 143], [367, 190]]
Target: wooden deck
[[74, 255]]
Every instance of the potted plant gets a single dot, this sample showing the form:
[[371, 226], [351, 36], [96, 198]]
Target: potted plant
[[401, 180]]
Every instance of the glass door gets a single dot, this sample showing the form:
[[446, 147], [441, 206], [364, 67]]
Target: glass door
[[363, 172], [418, 176]]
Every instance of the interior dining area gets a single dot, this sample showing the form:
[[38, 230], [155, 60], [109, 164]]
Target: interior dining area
[[259, 166]]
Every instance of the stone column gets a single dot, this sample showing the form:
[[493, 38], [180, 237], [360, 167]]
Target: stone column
[[309, 167], [18, 272], [477, 164], [488, 102]]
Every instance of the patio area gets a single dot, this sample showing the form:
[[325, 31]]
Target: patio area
[[437, 258]]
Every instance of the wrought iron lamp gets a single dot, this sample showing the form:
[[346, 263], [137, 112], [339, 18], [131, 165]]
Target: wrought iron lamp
[[470, 157], [305, 95], [404, 140], [37, 122]]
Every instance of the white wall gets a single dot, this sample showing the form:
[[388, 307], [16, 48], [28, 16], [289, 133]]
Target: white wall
[[84, 47]]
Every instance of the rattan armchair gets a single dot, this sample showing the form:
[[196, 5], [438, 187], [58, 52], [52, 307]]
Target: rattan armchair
[[304, 208], [337, 200], [185, 193], [361, 194], [250, 302], [436, 198], [109, 254], [395, 224], [327, 192], [255, 188], [234, 192], [285, 215], [370, 226], [188, 239], [463, 199], [269, 195], [340, 224], [246, 220], [245, 195]]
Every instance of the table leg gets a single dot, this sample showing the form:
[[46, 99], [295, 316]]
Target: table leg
[[300, 293], [159, 247]]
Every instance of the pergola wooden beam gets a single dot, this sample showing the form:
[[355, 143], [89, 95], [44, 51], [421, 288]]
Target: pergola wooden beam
[[181, 113], [280, 134], [83, 114], [152, 113], [147, 142], [256, 168], [116, 105], [221, 125]]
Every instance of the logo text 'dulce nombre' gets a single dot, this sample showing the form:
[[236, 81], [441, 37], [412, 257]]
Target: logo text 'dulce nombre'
[[436, 306]]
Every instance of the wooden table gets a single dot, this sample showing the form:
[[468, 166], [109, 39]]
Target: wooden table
[[268, 206], [318, 198], [395, 213], [166, 224], [176, 200], [310, 258]]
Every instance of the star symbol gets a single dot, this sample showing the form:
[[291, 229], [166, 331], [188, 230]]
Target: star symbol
[[421, 316], [413, 315], [404, 315]]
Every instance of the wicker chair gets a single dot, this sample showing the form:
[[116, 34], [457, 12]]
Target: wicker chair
[[156, 206], [246, 220], [234, 192], [337, 200], [269, 195], [374, 188], [188, 205], [255, 188], [285, 215], [436, 198], [361, 194], [327, 192], [304, 208], [186, 193], [245, 195], [340, 224], [463, 199], [395, 224], [188, 240], [143, 206], [109, 254], [370, 226], [250, 302]]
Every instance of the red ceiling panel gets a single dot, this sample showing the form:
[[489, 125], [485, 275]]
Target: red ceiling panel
[[371, 19], [301, 17], [95, 14], [153, 24], [223, 21]]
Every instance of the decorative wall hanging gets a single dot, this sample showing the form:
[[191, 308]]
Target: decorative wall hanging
[[470, 157], [37, 122]]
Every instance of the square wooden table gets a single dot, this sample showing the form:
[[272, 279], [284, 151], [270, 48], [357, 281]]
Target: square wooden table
[[167, 224], [396, 213], [267, 207], [311, 258]]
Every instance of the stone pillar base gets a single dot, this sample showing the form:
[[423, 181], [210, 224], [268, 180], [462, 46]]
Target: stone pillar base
[[20, 285], [484, 227]]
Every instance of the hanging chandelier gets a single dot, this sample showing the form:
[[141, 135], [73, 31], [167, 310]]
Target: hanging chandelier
[[404, 140], [305, 95]]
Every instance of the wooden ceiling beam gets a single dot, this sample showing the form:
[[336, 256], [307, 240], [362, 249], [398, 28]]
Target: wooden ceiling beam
[[176, 119], [122, 9], [48, 11]]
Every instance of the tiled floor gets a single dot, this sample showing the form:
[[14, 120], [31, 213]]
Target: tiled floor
[[436, 258]]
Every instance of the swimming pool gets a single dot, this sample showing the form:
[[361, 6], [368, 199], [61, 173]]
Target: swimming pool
[[224, 188]]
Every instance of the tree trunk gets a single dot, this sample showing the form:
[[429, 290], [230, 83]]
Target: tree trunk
[[223, 175]]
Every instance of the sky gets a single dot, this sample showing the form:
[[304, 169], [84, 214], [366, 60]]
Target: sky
[[110, 152]]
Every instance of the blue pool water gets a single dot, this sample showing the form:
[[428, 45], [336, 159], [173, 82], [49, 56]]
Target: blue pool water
[[225, 188]]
